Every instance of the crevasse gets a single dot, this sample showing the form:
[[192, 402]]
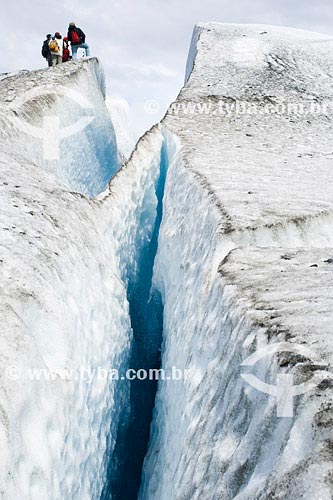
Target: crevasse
[[146, 315], [73, 314]]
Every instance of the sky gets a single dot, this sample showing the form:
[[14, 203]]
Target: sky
[[142, 44]]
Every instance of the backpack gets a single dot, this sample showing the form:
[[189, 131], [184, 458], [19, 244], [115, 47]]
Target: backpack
[[45, 49], [54, 45], [75, 37]]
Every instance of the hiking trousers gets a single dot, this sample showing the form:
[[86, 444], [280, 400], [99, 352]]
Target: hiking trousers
[[84, 46], [56, 59]]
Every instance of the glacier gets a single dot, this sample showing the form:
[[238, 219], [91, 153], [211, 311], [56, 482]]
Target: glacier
[[212, 242], [88, 156], [243, 263], [64, 302]]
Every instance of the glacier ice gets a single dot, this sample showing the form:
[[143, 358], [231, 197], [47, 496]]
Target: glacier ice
[[242, 232], [64, 264], [243, 263], [88, 158]]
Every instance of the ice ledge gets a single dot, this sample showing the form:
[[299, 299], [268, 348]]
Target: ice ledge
[[57, 119]]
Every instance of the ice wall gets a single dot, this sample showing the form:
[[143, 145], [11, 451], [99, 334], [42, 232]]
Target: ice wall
[[64, 303], [58, 119], [243, 264], [65, 309], [192, 52]]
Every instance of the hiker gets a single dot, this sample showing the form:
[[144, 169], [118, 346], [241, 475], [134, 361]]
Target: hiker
[[56, 49], [66, 55], [46, 53], [78, 40]]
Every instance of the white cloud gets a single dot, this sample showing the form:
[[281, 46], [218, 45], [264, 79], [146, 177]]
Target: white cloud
[[142, 72]]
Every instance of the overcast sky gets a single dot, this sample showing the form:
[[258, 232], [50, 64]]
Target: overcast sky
[[142, 44]]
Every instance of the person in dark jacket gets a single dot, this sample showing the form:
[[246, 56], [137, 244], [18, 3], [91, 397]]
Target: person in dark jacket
[[78, 40], [46, 53]]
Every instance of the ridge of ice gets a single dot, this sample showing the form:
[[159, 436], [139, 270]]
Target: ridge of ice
[[88, 158], [243, 263], [64, 306]]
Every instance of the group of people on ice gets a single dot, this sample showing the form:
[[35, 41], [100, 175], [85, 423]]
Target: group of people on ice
[[56, 49]]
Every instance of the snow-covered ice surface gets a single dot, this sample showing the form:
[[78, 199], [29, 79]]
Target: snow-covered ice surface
[[75, 95], [245, 261], [9, 75]]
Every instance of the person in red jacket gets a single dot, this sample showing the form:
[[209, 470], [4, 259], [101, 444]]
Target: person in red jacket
[[78, 40], [66, 56]]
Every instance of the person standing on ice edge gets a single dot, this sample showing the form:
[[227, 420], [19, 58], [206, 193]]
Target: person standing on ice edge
[[46, 53], [56, 48], [66, 56], [78, 40]]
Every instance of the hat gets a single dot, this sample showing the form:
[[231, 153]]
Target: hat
[[72, 24], [57, 33], [65, 39], [49, 35]]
